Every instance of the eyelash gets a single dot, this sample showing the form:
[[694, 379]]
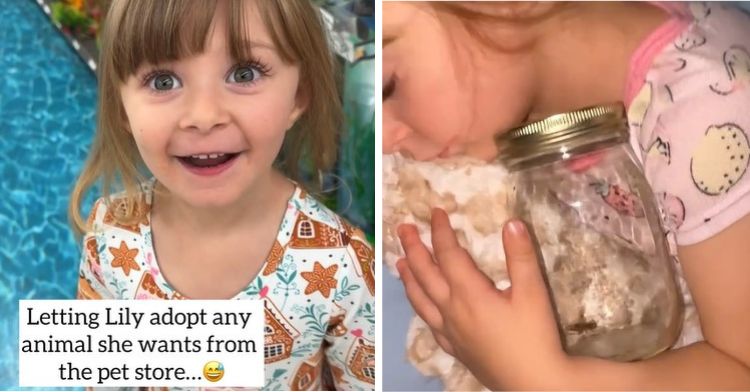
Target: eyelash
[[147, 78], [261, 67]]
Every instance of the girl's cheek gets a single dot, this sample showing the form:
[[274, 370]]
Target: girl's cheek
[[393, 133]]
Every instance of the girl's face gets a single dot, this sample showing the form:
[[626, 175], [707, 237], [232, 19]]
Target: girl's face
[[208, 128], [443, 92]]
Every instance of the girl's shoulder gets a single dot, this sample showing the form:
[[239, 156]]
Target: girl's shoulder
[[690, 123], [122, 211], [308, 206], [700, 41], [310, 224], [310, 230]]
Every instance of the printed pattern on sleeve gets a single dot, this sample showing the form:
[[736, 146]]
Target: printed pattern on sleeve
[[690, 122]]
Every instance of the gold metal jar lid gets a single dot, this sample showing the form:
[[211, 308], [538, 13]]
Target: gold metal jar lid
[[562, 135]]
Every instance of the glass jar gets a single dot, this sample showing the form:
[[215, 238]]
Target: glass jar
[[581, 190]]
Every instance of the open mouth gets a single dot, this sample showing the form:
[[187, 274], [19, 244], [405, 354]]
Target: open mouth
[[207, 160], [208, 164]]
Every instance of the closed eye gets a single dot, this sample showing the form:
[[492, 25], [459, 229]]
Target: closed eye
[[389, 88]]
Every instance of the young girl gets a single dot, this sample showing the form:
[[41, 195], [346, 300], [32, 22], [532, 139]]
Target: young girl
[[203, 95], [682, 71]]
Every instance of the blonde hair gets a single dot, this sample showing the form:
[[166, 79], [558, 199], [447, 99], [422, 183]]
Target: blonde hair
[[129, 40]]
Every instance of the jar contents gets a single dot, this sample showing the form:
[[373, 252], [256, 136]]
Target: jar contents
[[596, 226]]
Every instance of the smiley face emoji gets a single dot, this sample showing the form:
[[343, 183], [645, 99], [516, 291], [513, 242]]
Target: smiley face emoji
[[213, 371]]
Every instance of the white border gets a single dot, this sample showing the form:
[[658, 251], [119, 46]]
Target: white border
[[379, 192]]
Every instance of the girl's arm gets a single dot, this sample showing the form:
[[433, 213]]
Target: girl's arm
[[508, 339], [717, 271]]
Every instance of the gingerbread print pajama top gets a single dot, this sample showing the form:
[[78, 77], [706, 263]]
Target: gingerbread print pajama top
[[317, 286]]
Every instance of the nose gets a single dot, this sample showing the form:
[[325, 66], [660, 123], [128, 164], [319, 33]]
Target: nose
[[205, 110]]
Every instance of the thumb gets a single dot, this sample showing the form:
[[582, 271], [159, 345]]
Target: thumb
[[523, 264]]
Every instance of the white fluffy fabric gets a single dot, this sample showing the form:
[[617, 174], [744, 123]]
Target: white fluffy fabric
[[473, 194]]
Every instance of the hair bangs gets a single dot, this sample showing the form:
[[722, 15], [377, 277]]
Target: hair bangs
[[239, 40], [154, 32]]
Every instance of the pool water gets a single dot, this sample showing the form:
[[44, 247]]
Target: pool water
[[47, 103]]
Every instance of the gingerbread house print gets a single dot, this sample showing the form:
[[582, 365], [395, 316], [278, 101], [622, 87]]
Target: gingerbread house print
[[92, 251], [178, 296], [309, 233], [148, 289], [92, 259], [353, 232], [361, 360], [274, 258], [119, 207], [365, 262], [336, 325], [308, 372], [85, 291], [279, 334]]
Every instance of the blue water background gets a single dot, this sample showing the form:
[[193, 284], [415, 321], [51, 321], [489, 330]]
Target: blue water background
[[47, 103]]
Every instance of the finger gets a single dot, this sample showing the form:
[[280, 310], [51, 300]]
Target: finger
[[444, 343], [523, 265], [457, 265], [421, 303], [444, 239], [422, 266]]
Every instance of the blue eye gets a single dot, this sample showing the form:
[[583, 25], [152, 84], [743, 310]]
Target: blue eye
[[164, 82], [246, 73]]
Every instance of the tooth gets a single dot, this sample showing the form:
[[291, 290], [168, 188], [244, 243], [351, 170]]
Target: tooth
[[202, 156], [212, 156]]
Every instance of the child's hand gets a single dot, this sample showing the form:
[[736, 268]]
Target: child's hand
[[507, 338]]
